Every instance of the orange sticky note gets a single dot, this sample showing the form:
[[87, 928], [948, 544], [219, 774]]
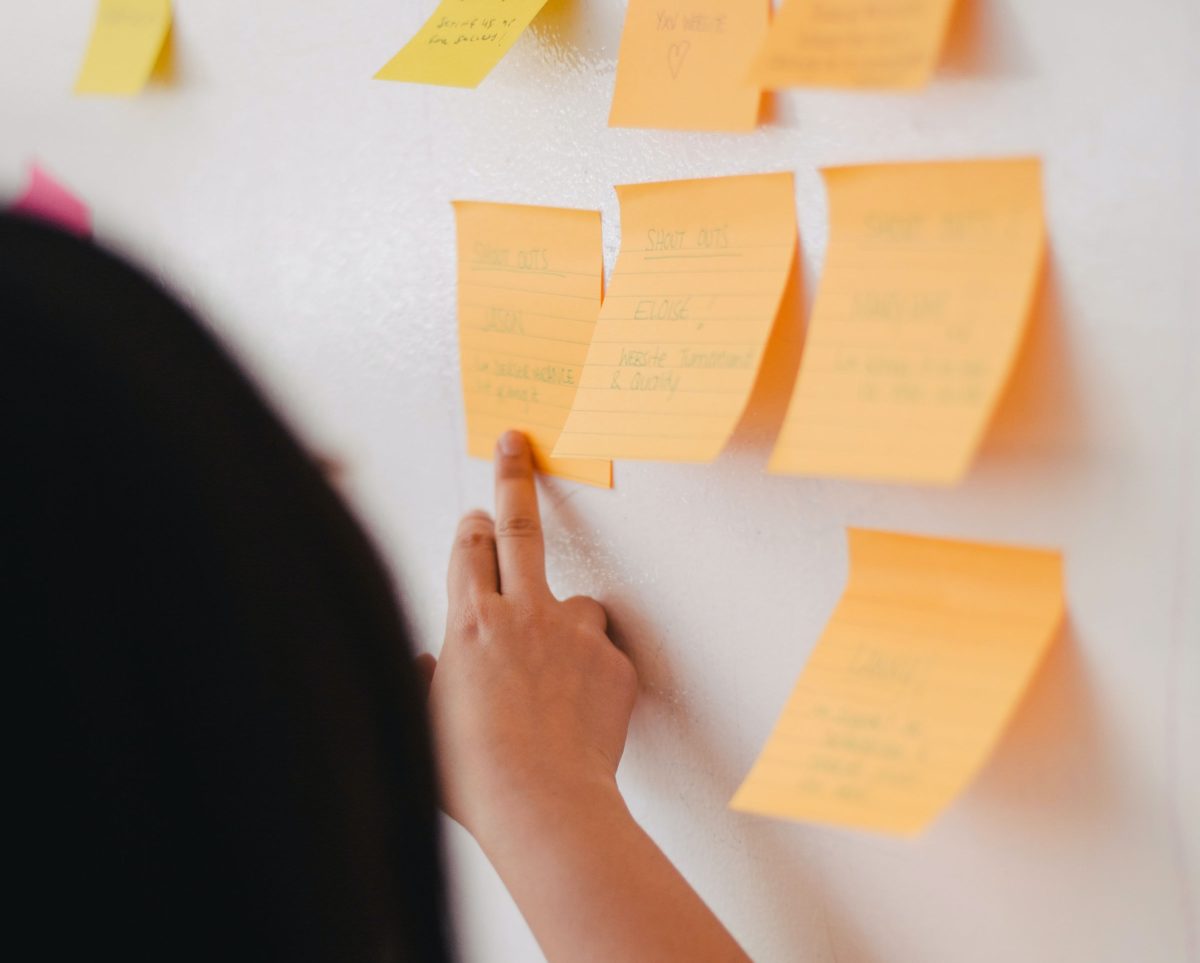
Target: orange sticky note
[[684, 64], [910, 685], [530, 280], [128, 38], [925, 296], [697, 285], [853, 43], [461, 42]]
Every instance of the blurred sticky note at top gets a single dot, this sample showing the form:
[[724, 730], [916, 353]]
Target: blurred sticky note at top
[[696, 288], [47, 200], [925, 297], [910, 685], [684, 64], [878, 44], [530, 280], [128, 39], [461, 42]]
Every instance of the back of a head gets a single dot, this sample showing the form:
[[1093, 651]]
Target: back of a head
[[219, 745]]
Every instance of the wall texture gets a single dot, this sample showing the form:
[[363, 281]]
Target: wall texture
[[305, 209]]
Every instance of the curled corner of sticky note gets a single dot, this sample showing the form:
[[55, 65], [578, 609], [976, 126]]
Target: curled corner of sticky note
[[47, 200]]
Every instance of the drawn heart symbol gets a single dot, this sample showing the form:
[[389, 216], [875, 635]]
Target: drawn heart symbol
[[675, 54]]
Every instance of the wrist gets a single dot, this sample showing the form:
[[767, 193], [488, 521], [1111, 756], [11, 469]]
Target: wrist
[[542, 816]]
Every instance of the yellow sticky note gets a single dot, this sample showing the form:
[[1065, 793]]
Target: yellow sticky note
[[697, 285], [853, 43], [910, 685], [925, 296], [683, 64], [461, 42], [127, 40], [530, 281]]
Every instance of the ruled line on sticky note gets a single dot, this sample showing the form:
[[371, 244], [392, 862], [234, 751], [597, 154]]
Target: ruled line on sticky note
[[522, 344], [461, 42], [684, 65], [128, 39], [910, 685], [672, 345], [924, 300], [877, 44]]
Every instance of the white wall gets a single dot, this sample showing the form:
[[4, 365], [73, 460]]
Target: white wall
[[305, 209]]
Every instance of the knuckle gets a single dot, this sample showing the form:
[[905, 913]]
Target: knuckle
[[518, 526], [473, 538], [474, 530], [467, 623], [473, 620], [587, 610]]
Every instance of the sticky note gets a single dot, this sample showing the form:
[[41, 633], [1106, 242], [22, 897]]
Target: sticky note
[[47, 200], [925, 296], [461, 42], [697, 285], [530, 280], [127, 40], [853, 43], [910, 685], [684, 64]]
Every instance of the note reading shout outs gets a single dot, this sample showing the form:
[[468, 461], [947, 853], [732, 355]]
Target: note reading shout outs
[[853, 43], [697, 285], [127, 41], [910, 685], [461, 42], [530, 281], [684, 65], [924, 299]]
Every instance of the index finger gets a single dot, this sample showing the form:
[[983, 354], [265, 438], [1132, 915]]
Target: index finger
[[519, 547]]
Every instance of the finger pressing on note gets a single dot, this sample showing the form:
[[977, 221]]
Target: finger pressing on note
[[473, 559], [519, 548]]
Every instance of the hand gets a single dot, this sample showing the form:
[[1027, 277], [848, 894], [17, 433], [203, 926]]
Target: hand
[[530, 700]]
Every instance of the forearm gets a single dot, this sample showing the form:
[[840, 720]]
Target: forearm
[[530, 704], [593, 886]]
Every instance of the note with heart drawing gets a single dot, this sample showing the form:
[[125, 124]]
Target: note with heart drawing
[[684, 65]]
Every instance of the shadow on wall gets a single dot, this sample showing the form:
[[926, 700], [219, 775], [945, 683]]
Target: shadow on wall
[[982, 40], [1051, 768], [1040, 413], [765, 409], [580, 28]]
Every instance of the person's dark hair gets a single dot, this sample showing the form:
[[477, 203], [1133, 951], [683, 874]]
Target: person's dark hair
[[220, 750]]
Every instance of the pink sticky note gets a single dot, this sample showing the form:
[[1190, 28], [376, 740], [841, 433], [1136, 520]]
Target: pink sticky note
[[47, 200]]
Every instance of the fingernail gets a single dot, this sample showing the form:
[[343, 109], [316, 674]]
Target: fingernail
[[512, 443]]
